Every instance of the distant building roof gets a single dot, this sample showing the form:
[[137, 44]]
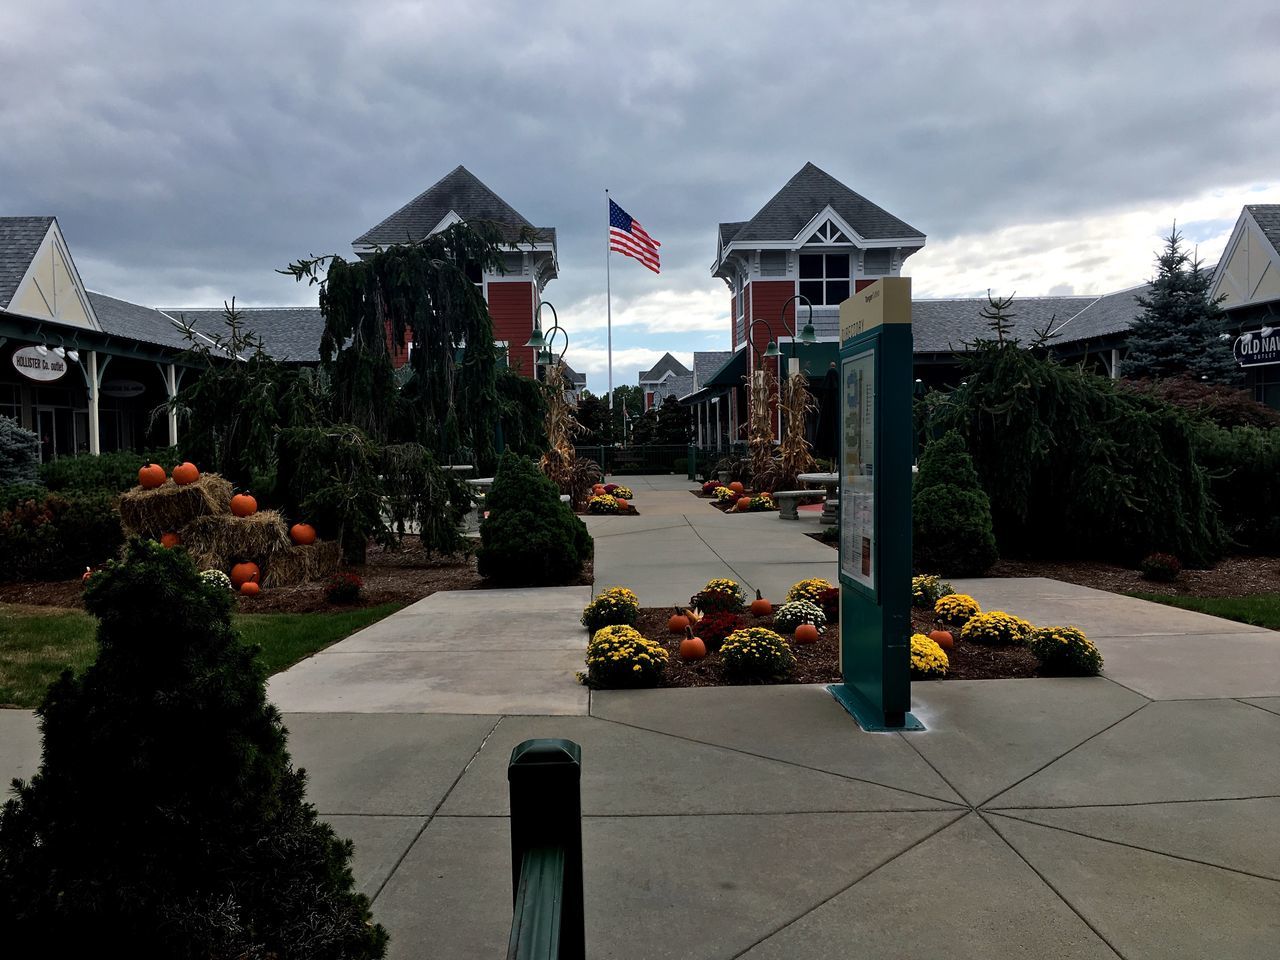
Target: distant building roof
[[579, 380], [804, 196], [124, 319], [667, 364], [706, 364], [290, 334], [460, 192], [945, 326], [20, 238]]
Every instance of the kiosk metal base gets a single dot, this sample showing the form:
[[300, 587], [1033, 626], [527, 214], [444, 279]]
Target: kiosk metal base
[[869, 718]]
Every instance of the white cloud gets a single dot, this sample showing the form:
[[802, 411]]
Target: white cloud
[[1096, 254], [663, 311]]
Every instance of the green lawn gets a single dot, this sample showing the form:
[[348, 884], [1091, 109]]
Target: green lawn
[[37, 644], [1259, 609]]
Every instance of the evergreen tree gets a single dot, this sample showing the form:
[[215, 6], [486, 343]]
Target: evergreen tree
[[166, 819], [1181, 330], [951, 515]]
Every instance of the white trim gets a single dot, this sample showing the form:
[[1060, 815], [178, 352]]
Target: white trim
[[51, 241], [1246, 222]]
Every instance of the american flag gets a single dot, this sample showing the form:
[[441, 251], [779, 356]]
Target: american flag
[[629, 238]]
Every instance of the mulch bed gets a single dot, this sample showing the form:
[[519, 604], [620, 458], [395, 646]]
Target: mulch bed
[[820, 662], [390, 576], [1231, 577], [833, 544]]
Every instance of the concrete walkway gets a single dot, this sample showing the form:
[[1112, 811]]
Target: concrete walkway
[[1126, 816]]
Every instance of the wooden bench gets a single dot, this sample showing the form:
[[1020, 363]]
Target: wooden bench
[[789, 500]]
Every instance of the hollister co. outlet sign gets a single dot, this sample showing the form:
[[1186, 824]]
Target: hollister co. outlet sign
[[33, 365], [1258, 348]]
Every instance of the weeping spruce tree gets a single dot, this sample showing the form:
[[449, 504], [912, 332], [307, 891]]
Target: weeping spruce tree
[[449, 404], [166, 819]]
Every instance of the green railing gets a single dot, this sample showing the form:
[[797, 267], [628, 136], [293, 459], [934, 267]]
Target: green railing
[[547, 921], [640, 458]]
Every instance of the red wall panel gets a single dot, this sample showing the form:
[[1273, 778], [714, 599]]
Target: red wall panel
[[511, 305]]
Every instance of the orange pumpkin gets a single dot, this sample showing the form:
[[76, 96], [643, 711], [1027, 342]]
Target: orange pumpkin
[[250, 588], [691, 647], [170, 540], [760, 607], [243, 505], [678, 623], [743, 504], [737, 487], [185, 473], [151, 476], [623, 505], [303, 534], [943, 638], [243, 573], [807, 633], [597, 489]]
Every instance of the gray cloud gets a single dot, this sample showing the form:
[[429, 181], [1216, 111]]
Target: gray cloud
[[188, 154]]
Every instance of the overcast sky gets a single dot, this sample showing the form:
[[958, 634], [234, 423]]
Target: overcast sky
[[188, 151]]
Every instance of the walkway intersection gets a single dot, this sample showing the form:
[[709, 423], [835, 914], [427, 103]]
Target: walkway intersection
[[1125, 816]]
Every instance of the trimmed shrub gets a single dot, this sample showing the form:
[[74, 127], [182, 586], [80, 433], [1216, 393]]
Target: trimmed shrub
[[1161, 567], [711, 486], [621, 491], [15, 493], [204, 845], [996, 629], [725, 495], [1241, 465], [216, 578], [715, 627], [720, 595], [620, 656], [611, 607], [956, 609], [530, 538], [928, 659], [1066, 652], [927, 589], [950, 515], [112, 472], [54, 537], [810, 589], [756, 653], [19, 453], [790, 615]]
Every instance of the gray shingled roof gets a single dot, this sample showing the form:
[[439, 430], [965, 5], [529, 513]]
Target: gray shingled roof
[[291, 334], [804, 196], [730, 230], [20, 238], [945, 326], [463, 193], [706, 363], [124, 319], [1267, 216], [667, 364], [577, 379]]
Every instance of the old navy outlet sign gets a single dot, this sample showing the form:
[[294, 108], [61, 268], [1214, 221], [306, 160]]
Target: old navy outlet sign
[[1256, 350], [29, 362]]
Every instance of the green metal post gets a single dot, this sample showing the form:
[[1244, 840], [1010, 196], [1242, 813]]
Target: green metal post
[[546, 849]]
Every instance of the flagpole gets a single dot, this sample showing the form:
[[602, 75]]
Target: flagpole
[[608, 295]]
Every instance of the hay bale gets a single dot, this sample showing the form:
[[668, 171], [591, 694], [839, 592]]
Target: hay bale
[[220, 540], [170, 507], [298, 564]]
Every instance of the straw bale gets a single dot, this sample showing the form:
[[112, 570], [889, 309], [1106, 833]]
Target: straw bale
[[170, 507], [220, 540], [299, 564]]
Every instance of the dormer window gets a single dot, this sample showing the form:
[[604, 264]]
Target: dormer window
[[824, 278]]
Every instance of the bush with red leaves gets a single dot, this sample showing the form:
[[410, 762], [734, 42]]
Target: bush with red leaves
[[714, 627]]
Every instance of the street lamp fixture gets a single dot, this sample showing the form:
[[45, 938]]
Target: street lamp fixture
[[541, 342]]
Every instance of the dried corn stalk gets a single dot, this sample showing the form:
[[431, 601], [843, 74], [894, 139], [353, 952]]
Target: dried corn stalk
[[760, 435], [559, 463], [796, 453]]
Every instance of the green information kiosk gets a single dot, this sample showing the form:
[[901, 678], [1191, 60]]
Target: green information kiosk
[[875, 506]]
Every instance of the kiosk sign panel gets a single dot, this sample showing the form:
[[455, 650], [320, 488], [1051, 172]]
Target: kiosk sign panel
[[858, 458], [876, 450]]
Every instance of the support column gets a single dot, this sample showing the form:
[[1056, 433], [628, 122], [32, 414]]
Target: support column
[[1115, 364], [169, 376], [93, 383]]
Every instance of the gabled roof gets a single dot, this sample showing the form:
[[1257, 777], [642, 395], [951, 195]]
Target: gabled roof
[[807, 194], [290, 334], [666, 365], [1267, 217], [459, 192], [578, 380], [20, 238]]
